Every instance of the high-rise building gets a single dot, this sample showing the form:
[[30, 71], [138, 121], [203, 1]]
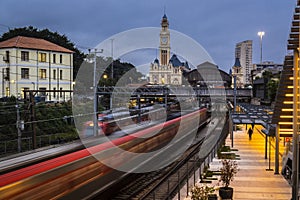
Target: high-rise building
[[243, 51]]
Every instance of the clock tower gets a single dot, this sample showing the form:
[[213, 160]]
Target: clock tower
[[164, 41], [167, 70]]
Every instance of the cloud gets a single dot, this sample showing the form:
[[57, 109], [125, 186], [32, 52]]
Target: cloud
[[216, 25]]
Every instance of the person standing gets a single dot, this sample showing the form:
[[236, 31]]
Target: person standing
[[250, 132]]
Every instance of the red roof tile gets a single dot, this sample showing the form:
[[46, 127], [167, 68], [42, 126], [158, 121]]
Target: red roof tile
[[32, 43]]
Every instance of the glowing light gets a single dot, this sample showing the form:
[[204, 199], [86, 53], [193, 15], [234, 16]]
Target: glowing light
[[286, 129], [286, 116], [287, 109], [292, 78], [285, 123], [285, 133], [261, 33]]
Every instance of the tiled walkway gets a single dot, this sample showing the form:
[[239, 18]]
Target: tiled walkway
[[253, 181]]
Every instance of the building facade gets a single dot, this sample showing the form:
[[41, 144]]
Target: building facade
[[243, 51], [35, 64], [167, 70], [214, 77], [259, 69]]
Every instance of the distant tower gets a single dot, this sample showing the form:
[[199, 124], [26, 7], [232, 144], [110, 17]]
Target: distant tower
[[238, 72], [164, 41], [243, 51], [167, 70]]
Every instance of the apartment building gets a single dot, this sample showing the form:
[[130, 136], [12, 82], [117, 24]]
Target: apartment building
[[29, 63]]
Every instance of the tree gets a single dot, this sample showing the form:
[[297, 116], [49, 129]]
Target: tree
[[272, 86], [272, 81], [54, 37]]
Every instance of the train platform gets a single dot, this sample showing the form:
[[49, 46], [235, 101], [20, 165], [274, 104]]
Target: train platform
[[254, 180]]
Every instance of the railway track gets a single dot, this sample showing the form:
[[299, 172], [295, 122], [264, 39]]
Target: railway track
[[79, 176], [140, 186], [161, 184]]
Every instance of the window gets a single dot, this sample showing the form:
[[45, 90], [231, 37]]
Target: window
[[43, 73], [60, 93], [61, 74], [54, 93], [7, 74], [54, 58], [164, 57], [23, 91], [60, 58], [42, 57], [7, 92], [24, 56], [6, 58], [25, 73], [54, 74]]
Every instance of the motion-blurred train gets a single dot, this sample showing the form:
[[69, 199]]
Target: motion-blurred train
[[68, 174], [112, 122]]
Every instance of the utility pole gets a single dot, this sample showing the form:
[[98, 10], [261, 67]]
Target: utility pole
[[95, 117], [234, 107], [18, 124], [112, 57], [112, 71], [33, 125]]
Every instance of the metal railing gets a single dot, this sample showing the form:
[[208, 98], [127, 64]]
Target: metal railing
[[11, 146], [186, 169]]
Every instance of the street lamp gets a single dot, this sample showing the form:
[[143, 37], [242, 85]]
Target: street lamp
[[95, 116], [33, 85], [261, 34]]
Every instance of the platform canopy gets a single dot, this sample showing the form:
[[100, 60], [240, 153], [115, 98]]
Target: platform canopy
[[254, 115]]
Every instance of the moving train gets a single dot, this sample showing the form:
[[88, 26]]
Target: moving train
[[68, 174], [112, 122]]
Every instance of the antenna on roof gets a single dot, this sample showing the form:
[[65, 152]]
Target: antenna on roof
[[164, 9]]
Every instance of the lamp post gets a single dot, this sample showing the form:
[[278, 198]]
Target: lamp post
[[261, 34], [95, 116], [33, 85]]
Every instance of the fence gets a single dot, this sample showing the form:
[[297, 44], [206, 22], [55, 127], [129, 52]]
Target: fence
[[184, 177], [11, 146]]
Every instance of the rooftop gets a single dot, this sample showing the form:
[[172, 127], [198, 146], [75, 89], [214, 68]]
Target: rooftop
[[32, 43]]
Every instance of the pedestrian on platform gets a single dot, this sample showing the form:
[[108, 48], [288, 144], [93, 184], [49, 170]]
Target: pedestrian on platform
[[250, 131]]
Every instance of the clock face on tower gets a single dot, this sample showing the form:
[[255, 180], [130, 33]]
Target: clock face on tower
[[164, 40]]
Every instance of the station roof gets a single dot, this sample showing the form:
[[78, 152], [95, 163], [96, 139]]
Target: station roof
[[255, 115]]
